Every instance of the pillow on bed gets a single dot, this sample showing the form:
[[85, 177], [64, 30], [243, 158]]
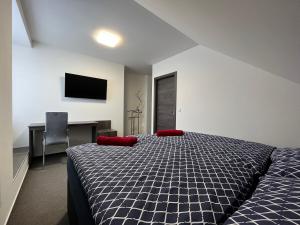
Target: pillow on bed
[[163, 133], [285, 163], [117, 141]]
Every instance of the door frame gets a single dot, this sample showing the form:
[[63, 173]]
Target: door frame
[[156, 79]]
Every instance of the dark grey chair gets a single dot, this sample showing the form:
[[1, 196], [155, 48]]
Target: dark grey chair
[[56, 130]]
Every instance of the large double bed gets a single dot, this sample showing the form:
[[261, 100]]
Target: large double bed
[[189, 179]]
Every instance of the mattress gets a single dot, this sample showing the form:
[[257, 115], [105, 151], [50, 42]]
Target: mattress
[[191, 179]]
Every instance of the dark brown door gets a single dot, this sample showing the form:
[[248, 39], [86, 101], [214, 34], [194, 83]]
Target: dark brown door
[[165, 102]]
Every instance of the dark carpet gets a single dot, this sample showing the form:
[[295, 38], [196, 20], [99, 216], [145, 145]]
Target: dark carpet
[[43, 196]]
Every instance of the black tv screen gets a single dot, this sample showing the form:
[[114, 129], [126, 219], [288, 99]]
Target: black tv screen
[[77, 86]]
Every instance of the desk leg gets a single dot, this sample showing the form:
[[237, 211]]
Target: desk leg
[[30, 147], [94, 134]]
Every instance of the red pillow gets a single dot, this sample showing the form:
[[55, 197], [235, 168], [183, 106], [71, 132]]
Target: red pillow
[[118, 141], [163, 133]]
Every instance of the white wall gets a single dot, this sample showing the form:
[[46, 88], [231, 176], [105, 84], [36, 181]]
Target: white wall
[[38, 86], [9, 186], [133, 83], [220, 95]]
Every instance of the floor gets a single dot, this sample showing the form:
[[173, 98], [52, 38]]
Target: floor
[[43, 196]]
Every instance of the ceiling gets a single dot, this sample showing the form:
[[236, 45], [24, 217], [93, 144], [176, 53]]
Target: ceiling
[[263, 33], [69, 24], [19, 29]]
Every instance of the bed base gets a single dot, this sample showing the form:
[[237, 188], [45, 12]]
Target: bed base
[[79, 211]]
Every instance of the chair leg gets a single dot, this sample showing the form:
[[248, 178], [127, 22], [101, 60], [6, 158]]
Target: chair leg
[[44, 149], [68, 141]]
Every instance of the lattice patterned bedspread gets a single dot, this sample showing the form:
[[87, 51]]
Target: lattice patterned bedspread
[[277, 197], [192, 179]]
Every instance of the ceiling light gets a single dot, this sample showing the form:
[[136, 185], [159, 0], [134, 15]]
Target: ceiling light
[[107, 38]]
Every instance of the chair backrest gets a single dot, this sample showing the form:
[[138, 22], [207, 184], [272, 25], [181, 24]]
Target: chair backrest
[[56, 126]]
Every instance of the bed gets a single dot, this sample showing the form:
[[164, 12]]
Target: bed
[[189, 179], [276, 200]]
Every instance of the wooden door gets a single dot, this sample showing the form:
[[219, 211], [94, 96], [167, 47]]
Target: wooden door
[[165, 102]]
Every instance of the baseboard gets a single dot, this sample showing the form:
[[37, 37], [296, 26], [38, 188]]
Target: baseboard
[[24, 167]]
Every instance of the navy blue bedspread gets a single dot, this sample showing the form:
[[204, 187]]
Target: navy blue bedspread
[[277, 197], [191, 179]]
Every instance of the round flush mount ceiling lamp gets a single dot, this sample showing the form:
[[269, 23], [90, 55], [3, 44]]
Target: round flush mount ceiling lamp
[[107, 38]]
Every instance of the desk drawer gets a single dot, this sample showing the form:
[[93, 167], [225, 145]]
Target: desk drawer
[[111, 133]]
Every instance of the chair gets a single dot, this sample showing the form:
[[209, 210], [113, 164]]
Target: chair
[[56, 130]]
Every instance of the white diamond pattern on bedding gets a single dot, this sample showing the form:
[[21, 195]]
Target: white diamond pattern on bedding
[[285, 163], [276, 201], [277, 197], [191, 179]]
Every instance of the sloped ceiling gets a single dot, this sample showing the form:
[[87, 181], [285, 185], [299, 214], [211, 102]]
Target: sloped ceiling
[[263, 33], [19, 29], [69, 24]]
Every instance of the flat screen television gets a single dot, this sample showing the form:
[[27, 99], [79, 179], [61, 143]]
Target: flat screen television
[[77, 86]]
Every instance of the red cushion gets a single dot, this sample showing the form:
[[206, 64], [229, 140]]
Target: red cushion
[[169, 133], [118, 141]]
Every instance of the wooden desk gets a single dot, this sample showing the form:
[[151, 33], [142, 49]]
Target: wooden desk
[[41, 127]]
